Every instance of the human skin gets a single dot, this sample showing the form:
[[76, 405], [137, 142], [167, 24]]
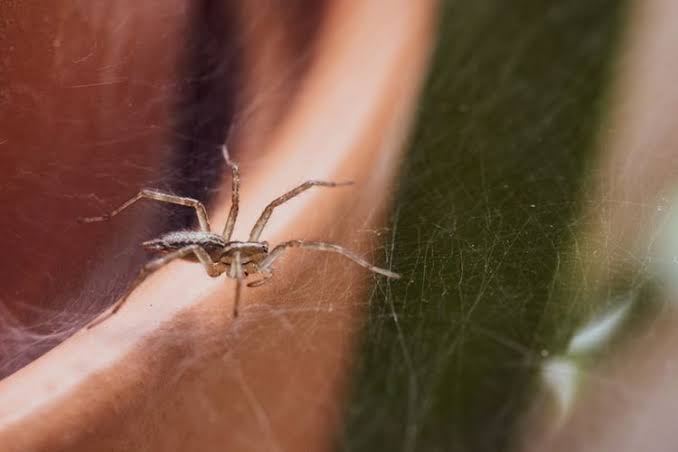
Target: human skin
[[172, 371]]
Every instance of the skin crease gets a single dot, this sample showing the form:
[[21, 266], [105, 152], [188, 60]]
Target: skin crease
[[171, 371]]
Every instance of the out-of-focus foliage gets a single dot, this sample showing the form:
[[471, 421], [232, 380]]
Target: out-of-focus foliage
[[487, 209]]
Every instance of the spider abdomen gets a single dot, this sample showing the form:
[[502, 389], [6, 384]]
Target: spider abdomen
[[210, 242]]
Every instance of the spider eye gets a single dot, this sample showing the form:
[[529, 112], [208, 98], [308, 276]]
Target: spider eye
[[265, 246]]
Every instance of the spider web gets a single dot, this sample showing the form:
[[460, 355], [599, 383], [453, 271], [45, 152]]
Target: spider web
[[489, 207]]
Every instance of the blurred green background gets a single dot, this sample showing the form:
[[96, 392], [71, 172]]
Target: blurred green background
[[488, 204]]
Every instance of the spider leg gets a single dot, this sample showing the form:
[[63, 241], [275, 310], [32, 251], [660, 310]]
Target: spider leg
[[235, 195], [236, 304], [265, 265], [264, 279], [162, 197], [236, 272], [202, 255], [266, 214]]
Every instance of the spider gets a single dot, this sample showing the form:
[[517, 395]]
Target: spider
[[219, 254]]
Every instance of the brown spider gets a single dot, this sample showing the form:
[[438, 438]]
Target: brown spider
[[218, 253]]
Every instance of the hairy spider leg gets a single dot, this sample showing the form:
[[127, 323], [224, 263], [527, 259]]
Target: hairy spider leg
[[235, 195], [265, 265], [162, 197], [210, 266], [266, 214]]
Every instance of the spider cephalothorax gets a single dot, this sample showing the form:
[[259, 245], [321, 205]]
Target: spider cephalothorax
[[218, 253]]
